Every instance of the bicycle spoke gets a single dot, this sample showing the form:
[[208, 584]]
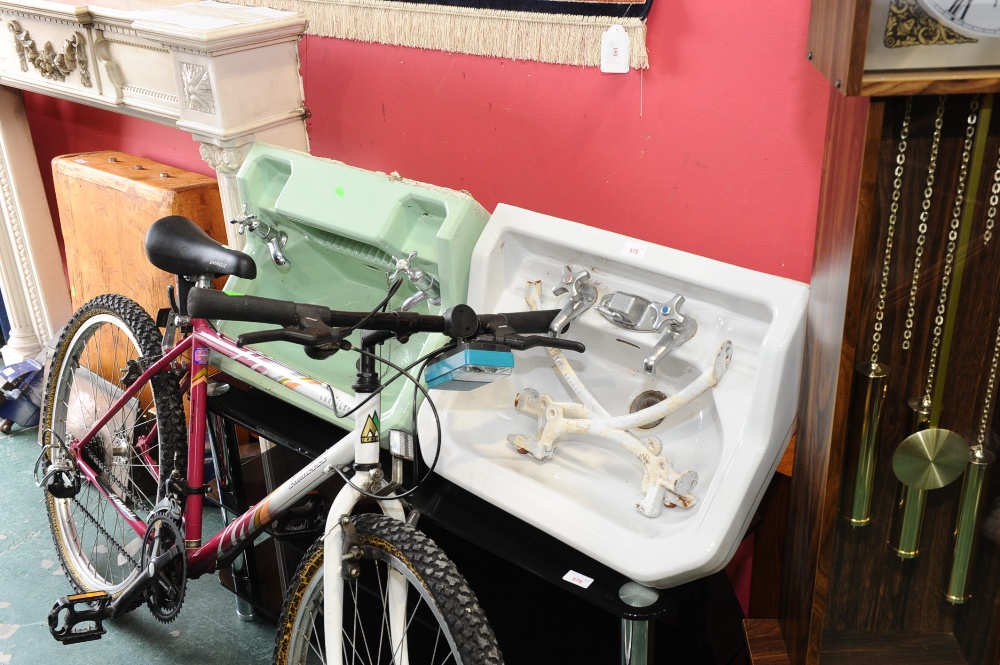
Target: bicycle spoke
[[96, 542]]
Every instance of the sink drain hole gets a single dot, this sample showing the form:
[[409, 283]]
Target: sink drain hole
[[644, 400]]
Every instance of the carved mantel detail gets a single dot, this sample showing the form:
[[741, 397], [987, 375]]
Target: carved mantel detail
[[224, 160], [51, 65], [197, 88]]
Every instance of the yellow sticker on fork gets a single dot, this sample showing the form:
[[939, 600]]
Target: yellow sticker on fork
[[369, 433]]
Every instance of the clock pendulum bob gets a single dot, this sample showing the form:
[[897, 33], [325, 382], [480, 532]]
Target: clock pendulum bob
[[926, 460]]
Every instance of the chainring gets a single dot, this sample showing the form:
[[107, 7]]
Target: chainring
[[165, 594]]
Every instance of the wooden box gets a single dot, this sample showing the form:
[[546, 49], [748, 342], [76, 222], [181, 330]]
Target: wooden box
[[107, 200]]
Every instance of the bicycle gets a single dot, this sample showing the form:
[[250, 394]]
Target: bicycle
[[124, 492]]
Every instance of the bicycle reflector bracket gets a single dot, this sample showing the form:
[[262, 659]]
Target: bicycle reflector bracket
[[470, 366]]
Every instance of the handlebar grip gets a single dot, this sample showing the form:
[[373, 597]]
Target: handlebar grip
[[211, 304]]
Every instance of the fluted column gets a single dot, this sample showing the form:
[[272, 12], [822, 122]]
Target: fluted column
[[33, 284], [226, 161]]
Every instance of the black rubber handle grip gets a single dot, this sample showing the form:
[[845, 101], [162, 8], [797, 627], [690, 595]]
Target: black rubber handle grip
[[211, 304], [458, 321]]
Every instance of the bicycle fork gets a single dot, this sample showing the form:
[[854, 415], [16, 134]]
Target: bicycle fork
[[341, 546], [342, 555]]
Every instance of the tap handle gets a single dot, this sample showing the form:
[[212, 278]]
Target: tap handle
[[402, 267], [246, 222], [424, 282], [669, 313], [572, 283]]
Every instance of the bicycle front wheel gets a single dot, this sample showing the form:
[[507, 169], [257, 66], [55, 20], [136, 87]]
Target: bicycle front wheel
[[104, 348], [443, 620]]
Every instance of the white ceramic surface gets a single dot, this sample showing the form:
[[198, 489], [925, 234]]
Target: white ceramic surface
[[733, 436]]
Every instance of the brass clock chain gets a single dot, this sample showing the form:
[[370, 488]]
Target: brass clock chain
[[991, 213], [870, 388], [925, 212], [931, 457]]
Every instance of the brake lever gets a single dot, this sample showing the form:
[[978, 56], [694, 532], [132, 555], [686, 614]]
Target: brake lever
[[523, 342], [302, 336]]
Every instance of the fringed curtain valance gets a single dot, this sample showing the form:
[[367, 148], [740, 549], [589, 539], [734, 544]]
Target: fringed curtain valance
[[543, 30]]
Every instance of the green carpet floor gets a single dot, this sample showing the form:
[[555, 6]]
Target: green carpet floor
[[31, 580]]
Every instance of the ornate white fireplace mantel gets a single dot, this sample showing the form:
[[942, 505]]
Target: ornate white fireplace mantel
[[225, 73]]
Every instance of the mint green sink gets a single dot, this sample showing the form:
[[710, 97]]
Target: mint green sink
[[344, 225]]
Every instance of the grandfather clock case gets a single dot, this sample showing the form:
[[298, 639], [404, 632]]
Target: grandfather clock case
[[893, 552]]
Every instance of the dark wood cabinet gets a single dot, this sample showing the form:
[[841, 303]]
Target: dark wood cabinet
[[847, 593]]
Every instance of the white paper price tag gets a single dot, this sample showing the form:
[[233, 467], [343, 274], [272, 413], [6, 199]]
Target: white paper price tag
[[614, 50], [576, 578], [636, 250]]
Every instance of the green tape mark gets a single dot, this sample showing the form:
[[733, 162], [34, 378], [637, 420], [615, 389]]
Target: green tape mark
[[339, 191]]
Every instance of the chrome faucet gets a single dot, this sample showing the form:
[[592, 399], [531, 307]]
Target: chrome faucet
[[679, 329], [427, 287], [632, 312], [582, 296], [275, 239]]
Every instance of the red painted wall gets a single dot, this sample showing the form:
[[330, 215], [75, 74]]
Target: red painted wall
[[716, 149]]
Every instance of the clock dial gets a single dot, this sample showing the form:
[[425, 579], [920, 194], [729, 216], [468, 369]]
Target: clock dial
[[910, 47], [976, 18]]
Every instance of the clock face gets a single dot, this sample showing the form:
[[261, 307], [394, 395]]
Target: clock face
[[975, 18], [919, 35]]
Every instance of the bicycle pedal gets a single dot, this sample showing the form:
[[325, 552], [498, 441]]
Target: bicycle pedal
[[69, 612]]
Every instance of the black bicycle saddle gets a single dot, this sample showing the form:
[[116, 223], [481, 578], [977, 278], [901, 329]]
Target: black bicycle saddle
[[179, 246]]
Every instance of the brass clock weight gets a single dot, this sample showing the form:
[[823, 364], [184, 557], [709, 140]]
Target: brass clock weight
[[873, 576], [868, 395], [967, 521], [931, 457]]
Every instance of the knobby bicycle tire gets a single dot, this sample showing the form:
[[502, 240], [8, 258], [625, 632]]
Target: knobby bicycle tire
[[105, 345], [445, 622]]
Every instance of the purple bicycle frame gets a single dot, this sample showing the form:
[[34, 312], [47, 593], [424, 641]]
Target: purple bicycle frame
[[231, 540]]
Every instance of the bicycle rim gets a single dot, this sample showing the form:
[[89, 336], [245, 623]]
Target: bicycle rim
[[96, 357], [443, 621]]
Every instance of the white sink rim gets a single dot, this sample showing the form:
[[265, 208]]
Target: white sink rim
[[719, 529]]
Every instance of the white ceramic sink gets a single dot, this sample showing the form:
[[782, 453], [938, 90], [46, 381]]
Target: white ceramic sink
[[586, 493]]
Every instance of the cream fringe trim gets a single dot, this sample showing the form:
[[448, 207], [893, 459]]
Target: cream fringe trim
[[556, 38]]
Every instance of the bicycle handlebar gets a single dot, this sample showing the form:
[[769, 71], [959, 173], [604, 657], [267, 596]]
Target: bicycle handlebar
[[302, 322]]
